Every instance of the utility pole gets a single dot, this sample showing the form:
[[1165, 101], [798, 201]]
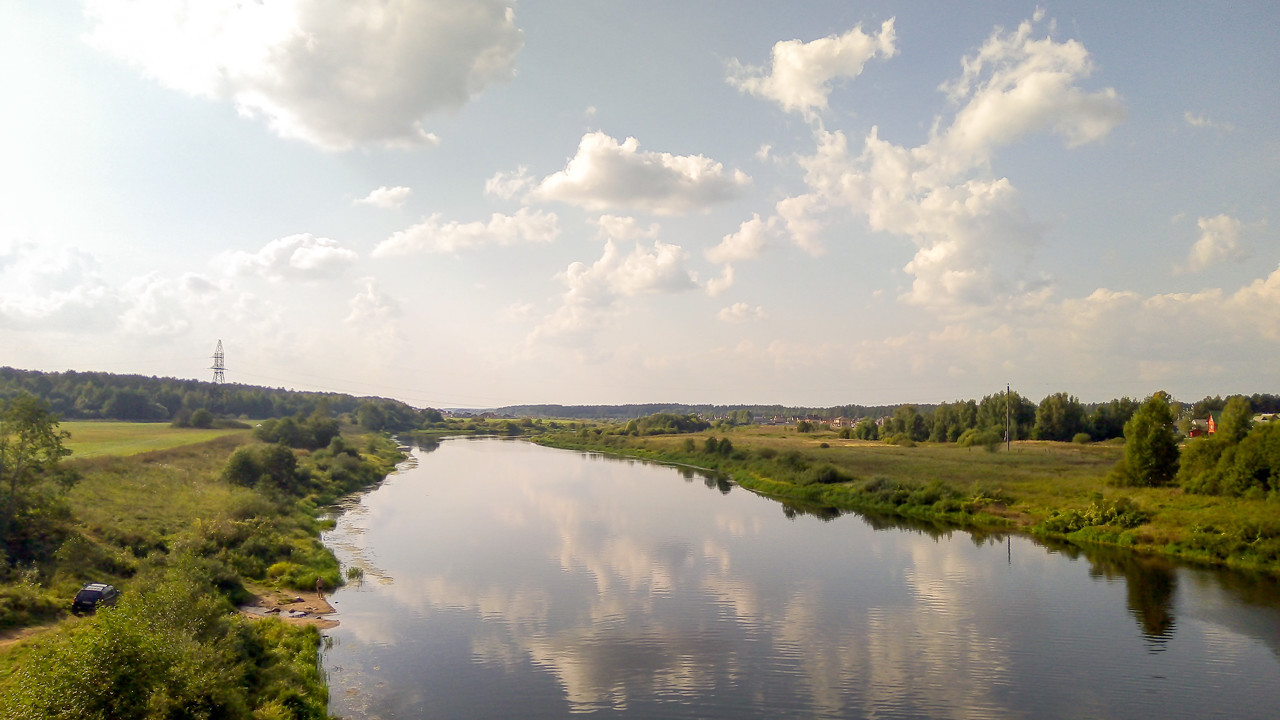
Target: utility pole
[[1009, 436]]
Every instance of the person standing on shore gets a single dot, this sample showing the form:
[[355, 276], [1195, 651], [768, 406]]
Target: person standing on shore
[[320, 588]]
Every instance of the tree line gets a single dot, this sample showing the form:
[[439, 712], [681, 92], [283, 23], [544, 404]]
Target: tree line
[[75, 395]]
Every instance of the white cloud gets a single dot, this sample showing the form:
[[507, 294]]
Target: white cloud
[[741, 312], [715, 286], [1203, 121], [972, 234], [434, 236], [1219, 240], [746, 244], [158, 306], [801, 74], [54, 289], [63, 290], [386, 197], [371, 305], [335, 74], [300, 257], [606, 174], [594, 293], [615, 227], [506, 185]]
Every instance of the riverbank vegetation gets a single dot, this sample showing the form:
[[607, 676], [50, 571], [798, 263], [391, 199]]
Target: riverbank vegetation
[[181, 531], [1122, 494]]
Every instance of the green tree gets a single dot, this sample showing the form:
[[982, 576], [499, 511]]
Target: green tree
[[1059, 417], [867, 430], [1236, 419], [1257, 460], [1108, 419], [30, 450], [1150, 445]]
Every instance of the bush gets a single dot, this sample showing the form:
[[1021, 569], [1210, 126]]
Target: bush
[[1121, 513], [1081, 438], [988, 438], [901, 440], [793, 460], [825, 474]]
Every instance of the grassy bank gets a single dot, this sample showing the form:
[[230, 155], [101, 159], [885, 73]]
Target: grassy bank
[[1051, 490], [180, 535]]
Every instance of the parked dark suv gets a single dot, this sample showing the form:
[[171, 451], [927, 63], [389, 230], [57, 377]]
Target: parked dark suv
[[93, 595]]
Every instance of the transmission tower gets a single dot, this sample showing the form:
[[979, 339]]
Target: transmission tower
[[219, 366]]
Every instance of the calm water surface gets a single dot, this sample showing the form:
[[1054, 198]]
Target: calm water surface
[[507, 580]]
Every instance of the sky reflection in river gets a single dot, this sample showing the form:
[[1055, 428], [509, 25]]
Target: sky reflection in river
[[506, 579]]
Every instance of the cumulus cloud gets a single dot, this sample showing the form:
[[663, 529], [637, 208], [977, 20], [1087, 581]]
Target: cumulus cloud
[[506, 185], [715, 286], [370, 305], [386, 198], [434, 235], [334, 74], [56, 289], [746, 244], [160, 306], [63, 290], [595, 293], [615, 227], [972, 233], [1219, 240], [800, 74], [741, 312], [295, 257], [606, 174]]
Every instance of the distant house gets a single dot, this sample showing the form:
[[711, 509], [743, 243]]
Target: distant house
[[1201, 428]]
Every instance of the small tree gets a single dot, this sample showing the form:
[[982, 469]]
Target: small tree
[[1236, 419], [1150, 445], [30, 450]]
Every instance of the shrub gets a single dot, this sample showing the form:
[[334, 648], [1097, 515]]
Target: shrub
[[1121, 512], [1081, 438], [901, 440], [793, 460], [825, 474], [988, 438]]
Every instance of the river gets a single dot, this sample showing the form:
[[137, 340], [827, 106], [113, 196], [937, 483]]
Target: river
[[507, 580]]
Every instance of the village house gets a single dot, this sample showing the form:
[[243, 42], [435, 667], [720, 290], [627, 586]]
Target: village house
[[1204, 427]]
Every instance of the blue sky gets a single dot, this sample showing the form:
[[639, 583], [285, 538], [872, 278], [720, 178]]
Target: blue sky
[[474, 203]]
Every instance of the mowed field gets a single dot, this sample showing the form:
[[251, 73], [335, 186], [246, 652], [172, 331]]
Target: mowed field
[[95, 439]]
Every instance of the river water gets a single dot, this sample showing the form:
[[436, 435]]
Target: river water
[[507, 580]]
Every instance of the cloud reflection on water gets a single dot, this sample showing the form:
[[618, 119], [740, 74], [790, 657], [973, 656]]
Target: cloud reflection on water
[[630, 588]]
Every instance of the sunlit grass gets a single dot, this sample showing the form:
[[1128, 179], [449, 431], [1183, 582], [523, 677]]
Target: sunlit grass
[[96, 439], [138, 502]]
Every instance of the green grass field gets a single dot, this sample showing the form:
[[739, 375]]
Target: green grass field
[[96, 439]]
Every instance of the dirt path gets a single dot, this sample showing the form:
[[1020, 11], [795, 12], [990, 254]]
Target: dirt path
[[13, 636]]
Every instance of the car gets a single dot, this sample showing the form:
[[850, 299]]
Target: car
[[93, 595]]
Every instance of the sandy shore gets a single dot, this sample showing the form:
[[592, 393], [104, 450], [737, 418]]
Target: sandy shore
[[300, 608]]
